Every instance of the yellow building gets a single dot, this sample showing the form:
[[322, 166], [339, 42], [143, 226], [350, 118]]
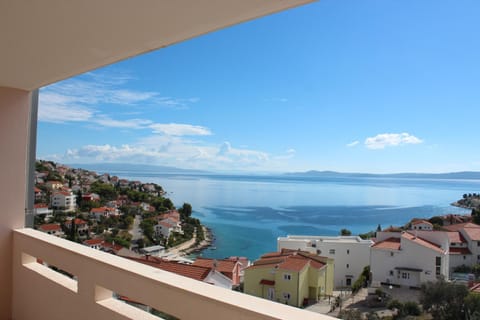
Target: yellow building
[[290, 277]]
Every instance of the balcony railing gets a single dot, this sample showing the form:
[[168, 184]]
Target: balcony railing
[[90, 279]]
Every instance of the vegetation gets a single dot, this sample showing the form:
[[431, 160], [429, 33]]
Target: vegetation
[[345, 232], [362, 280], [449, 301]]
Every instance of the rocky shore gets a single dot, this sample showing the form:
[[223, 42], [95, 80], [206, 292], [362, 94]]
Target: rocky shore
[[204, 244]]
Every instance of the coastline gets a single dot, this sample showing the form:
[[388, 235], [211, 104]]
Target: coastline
[[190, 247]]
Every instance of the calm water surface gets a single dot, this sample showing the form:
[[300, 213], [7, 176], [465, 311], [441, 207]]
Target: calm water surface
[[248, 213]]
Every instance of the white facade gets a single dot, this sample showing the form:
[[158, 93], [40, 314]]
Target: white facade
[[408, 260], [350, 253], [64, 200]]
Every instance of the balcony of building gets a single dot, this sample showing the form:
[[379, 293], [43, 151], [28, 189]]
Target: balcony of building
[[48, 41]]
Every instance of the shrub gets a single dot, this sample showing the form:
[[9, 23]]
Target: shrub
[[411, 308]]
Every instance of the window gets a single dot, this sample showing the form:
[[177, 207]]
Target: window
[[331, 251], [286, 295], [287, 276], [348, 266], [478, 243], [319, 251], [478, 257], [391, 272], [438, 264], [314, 245], [391, 254], [348, 251], [464, 257], [405, 275]]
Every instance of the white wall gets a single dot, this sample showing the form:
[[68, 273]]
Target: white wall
[[411, 255], [344, 250], [14, 110]]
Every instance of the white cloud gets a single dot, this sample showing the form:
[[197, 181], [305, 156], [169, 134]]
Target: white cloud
[[78, 99], [380, 141], [353, 144], [174, 151], [179, 129], [58, 108], [125, 124]]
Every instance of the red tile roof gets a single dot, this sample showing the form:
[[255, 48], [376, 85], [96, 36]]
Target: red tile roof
[[472, 230], [455, 237], [421, 221], [291, 260], [92, 242], [225, 266], [422, 242], [460, 226], [40, 205], [50, 227], [388, 244], [186, 270]]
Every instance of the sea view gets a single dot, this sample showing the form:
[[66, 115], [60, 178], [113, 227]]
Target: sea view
[[247, 213]]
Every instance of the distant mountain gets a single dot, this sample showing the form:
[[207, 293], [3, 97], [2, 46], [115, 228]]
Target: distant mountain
[[466, 175], [127, 167]]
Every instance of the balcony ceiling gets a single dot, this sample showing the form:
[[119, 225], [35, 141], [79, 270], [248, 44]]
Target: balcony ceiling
[[46, 41]]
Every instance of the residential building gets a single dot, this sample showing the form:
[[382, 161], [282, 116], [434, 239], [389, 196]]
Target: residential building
[[105, 212], [421, 225], [42, 209], [291, 277], [227, 267], [52, 228], [471, 234], [90, 197], [350, 253], [80, 225], [153, 250], [64, 200], [54, 185], [116, 31], [406, 259]]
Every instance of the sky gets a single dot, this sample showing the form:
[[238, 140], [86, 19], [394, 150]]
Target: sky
[[380, 86]]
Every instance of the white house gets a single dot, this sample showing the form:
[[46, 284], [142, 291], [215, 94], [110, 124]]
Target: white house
[[350, 253], [421, 225], [64, 200], [52, 228], [471, 234], [406, 259]]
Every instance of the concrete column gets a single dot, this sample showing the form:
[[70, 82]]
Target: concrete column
[[14, 116]]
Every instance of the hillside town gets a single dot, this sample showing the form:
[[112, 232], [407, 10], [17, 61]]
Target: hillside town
[[347, 276]]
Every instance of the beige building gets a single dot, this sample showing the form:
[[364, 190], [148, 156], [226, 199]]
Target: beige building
[[291, 277]]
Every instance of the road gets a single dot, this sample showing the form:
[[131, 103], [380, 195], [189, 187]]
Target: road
[[136, 232]]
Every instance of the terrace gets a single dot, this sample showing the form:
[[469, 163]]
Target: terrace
[[48, 41]]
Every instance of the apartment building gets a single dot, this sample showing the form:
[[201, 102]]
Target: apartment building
[[290, 276], [350, 254]]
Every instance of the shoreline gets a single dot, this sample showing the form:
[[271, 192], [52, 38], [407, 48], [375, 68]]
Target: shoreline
[[204, 244]]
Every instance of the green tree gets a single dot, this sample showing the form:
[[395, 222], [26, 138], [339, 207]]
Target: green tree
[[472, 306], [104, 190], [345, 232], [185, 211], [147, 228], [167, 203], [444, 300]]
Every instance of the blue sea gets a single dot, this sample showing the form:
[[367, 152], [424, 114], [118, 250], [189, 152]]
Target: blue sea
[[248, 213]]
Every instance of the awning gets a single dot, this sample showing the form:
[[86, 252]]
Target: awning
[[408, 269], [267, 282]]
